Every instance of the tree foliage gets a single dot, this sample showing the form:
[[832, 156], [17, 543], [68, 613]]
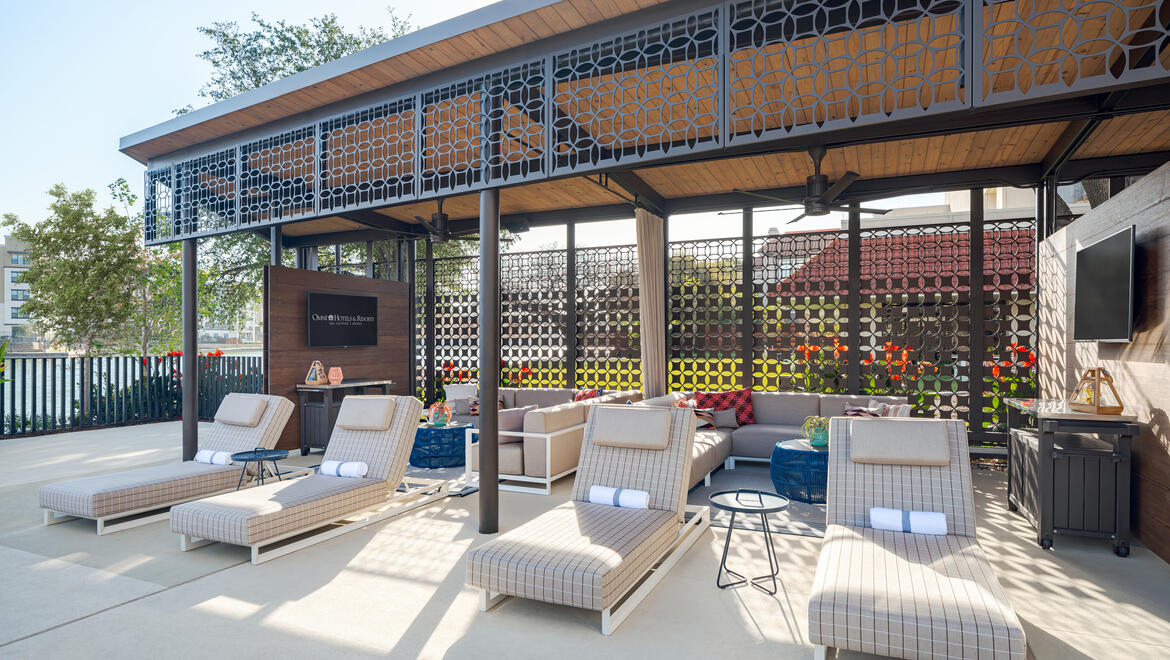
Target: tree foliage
[[83, 266]]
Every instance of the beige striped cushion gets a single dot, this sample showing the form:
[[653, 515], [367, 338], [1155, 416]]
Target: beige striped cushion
[[149, 487], [578, 554], [233, 438], [855, 487], [662, 473], [386, 452], [910, 596], [255, 515]]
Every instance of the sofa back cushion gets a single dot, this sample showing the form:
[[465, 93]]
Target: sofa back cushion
[[512, 419], [539, 397], [788, 408], [661, 473], [855, 487], [555, 418], [456, 391]]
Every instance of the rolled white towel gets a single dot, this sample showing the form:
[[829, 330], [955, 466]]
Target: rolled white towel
[[913, 522], [350, 469], [620, 497], [212, 457]]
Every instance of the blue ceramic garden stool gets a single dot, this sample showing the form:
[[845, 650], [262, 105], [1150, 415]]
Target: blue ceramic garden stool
[[800, 471], [438, 446]]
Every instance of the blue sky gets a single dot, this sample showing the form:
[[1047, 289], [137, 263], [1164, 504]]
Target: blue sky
[[77, 76]]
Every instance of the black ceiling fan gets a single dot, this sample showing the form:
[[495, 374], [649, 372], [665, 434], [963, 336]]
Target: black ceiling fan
[[819, 197], [439, 227]]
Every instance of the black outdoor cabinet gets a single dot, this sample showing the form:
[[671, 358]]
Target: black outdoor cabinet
[[1073, 477], [319, 405]]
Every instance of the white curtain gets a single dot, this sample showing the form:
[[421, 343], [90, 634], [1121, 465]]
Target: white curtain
[[652, 307]]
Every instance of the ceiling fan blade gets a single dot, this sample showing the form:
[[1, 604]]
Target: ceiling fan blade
[[427, 223], [839, 186], [846, 209], [780, 208], [768, 197], [797, 218]]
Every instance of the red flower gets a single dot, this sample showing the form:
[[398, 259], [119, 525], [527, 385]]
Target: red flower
[[995, 370]]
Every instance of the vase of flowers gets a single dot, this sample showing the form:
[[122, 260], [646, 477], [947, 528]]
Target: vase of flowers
[[816, 429], [439, 414]]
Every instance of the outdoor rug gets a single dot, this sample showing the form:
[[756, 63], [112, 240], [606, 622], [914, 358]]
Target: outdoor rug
[[800, 519]]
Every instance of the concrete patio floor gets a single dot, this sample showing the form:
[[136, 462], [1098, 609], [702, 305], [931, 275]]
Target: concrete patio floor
[[397, 589]]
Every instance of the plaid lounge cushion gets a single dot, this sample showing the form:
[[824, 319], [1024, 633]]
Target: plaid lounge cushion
[[740, 400], [130, 490]]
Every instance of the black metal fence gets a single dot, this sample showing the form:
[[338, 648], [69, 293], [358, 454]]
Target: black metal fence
[[893, 314], [47, 394]]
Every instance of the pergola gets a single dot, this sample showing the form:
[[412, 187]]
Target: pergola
[[561, 111]]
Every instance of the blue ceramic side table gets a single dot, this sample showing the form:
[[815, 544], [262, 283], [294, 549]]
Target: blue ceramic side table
[[800, 471], [438, 446]]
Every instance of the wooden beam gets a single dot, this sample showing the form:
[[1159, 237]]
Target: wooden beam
[[644, 194]]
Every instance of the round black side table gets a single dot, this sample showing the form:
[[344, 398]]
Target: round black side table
[[259, 456], [750, 501]]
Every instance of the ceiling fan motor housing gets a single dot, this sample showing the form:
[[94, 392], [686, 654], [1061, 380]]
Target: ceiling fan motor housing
[[815, 187]]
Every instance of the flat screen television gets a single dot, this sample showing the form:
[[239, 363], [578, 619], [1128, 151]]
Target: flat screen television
[[1104, 290], [339, 320]]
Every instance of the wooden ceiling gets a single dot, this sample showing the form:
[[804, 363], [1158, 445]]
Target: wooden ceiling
[[1129, 134]]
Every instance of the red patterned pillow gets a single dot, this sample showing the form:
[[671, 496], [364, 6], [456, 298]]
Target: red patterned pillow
[[740, 400], [582, 395]]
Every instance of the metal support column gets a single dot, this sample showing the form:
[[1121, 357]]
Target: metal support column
[[747, 301], [853, 303], [370, 259], [275, 245], [1050, 192], [570, 305], [1116, 185], [190, 363], [489, 360], [337, 258], [429, 320], [406, 273], [978, 336]]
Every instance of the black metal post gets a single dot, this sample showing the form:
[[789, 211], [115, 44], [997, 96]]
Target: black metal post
[[429, 320], [853, 303], [747, 301], [275, 245], [337, 258], [978, 337], [406, 274], [570, 305], [370, 259], [190, 351], [489, 360], [1116, 185]]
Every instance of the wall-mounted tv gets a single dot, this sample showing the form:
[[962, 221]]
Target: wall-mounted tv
[[1103, 297], [339, 320]]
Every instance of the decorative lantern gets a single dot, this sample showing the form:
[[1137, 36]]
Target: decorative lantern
[[335, 376], [1095, 394], [316, 375], [439, 414]]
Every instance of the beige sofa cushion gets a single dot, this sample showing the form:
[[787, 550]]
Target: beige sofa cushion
[[891, 441], [511, 458], [555, 418], [632, 427], [241, 410], [365, 413]]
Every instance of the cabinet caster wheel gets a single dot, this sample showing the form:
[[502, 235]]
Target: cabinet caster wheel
[[1045, 544], [1121, 550], [304, 452]]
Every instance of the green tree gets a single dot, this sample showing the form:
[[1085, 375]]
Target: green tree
[[83, 265]]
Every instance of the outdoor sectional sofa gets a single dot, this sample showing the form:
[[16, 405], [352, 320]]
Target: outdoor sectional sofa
[[895, 593], [778, 417], [547, 445]]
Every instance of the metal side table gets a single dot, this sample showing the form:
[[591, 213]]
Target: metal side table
[[259, 456], [749, 501]]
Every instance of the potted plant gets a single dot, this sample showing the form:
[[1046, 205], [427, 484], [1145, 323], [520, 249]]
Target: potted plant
[[816, 429]]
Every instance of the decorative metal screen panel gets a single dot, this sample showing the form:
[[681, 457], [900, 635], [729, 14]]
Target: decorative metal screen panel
[[516, 123], [158, 205], [278, 177], [205, 194], [652, 91], [422, 351], [608, 346], [1010, 317], [802, 66], [452, 137], [704, 315], [800, 284], [915, 316], [532, 318], [1035, 48], [456, 315], [368, 156]]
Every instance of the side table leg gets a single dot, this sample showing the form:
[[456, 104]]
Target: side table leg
[[773, 563], [723, 562], [243, 471]]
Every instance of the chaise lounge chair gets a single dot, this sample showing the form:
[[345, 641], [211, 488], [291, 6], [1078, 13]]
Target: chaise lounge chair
[[895, 593], [136, 497], [375, 430], [597, 556]]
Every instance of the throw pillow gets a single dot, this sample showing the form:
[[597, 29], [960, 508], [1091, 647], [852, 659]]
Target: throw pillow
[[473, 409], [582, 395], [705, 419], [882, 409], [726, 419], [740, 400], [461, 406], [858, 411]]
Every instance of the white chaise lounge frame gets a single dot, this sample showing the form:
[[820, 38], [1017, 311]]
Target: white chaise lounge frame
[[697, 522], [124, 520], [412, 494], [545, 483]]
